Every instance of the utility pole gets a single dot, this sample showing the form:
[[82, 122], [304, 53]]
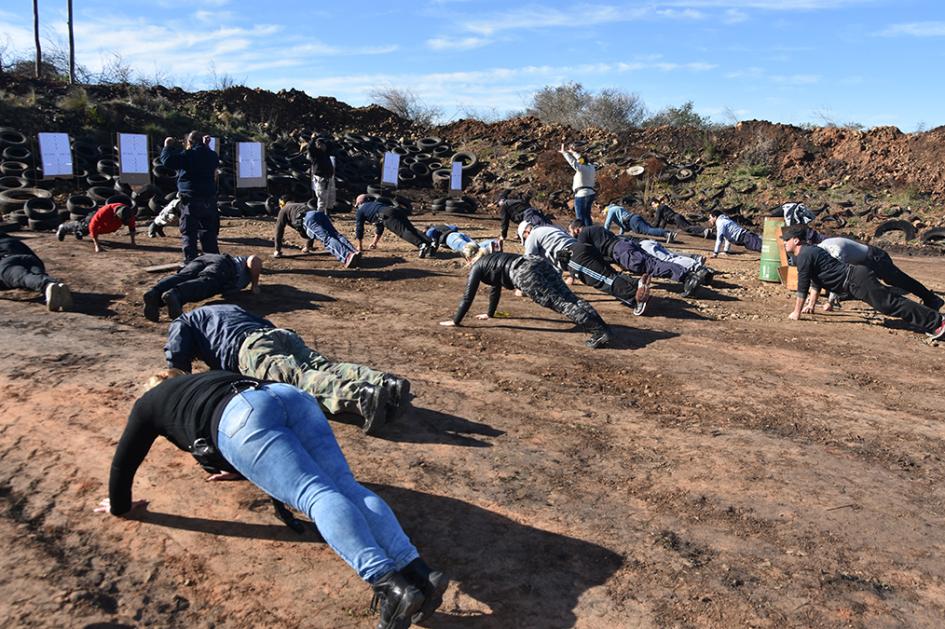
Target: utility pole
[[39, 51], [71, 47]]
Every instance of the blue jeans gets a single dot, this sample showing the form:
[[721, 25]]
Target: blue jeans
[[640, 226], [278, 438], [582, 209], [319, 226]]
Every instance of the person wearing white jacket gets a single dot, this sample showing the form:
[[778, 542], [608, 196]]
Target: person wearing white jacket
[[585, 176]]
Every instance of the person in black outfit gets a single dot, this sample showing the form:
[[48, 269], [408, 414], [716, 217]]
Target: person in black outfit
[[539, 281], [666, 216], [196, 168], [394, 219], [817, 269], [518, 210], [277, 437], [199, 279], [21, 268], [323, 173]]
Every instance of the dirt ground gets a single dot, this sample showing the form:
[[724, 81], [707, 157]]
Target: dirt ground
[[718, 466]]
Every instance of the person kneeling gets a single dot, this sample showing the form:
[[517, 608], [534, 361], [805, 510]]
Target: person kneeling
[[277, 438]]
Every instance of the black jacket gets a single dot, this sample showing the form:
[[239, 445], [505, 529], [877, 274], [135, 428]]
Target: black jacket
[[817, 267], [196, 170], [494, 269], [182, 409], [321, 162]]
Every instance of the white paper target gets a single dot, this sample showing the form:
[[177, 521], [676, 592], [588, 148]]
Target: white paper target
[[456, 176], [214, 143], [56, 154], [391, 168], [250, 165], [133, 154]]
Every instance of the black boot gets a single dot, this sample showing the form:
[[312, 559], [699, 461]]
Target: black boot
[[432, 583], [398, 396], [372, 404], [599, 338], [399, 601], [172, 301], [152, 307]]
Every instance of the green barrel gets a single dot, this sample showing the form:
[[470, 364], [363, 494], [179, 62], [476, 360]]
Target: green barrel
[[770, 251]]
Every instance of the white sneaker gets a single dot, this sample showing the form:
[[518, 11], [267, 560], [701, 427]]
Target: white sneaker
[[58, 297]]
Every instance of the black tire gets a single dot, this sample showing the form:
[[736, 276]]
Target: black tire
[[17, 153], [9, 226], [11, 137], [443, 174], [228, 211], [107, 167], [20, 217], [12, 168], [42, 226], [10, 182], [40, 209], [96, 180], [78, 217], [99, 193], [16, 198], [469, 160], [428, 144], [934, 234], [420, 170], [896, 225], [685, 194], [124, 199]]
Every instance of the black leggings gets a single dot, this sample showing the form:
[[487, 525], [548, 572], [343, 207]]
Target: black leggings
[[395, 219], [882, 265], [202, 277], [588, 263]]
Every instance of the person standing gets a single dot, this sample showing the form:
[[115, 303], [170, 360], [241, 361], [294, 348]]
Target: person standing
[[196, 167], [583, 184], [817, 269], [323, 173]]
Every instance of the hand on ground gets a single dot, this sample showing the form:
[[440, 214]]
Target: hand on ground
[[483, 317], [448, 324], [225, 476]]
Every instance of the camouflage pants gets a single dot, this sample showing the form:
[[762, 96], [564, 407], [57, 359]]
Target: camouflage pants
[[542, 283], [280, 355]]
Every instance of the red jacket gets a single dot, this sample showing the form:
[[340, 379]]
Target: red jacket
[[106, 221]]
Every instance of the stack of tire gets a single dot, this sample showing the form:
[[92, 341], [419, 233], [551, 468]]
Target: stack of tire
[[454, 205]]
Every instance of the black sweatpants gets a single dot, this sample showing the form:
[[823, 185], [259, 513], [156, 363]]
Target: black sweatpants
[[863, 284], [588, 263], [882, 265], [542, 283], [395, 219], [79, 228], [666, 216], [199, 279], [23, 271]]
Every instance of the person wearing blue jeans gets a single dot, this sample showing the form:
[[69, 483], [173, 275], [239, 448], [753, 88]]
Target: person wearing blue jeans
[[628, 221], [318, 226], [277, 437], [583, 184]]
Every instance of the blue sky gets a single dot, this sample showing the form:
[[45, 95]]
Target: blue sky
[[874, 62]]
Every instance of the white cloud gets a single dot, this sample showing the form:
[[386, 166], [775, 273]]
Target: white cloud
[[916, 29], [534, 16], [457, 43], [734, 16]]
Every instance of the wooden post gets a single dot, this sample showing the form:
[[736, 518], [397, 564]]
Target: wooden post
[[39, 50], [71, 46]]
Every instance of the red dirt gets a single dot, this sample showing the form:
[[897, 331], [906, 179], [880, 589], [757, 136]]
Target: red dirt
[[719, 466]]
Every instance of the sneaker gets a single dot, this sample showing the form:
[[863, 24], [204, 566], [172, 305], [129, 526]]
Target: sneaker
[[671, 237], [399, 601], [54, 297], [372, 404], [172, 301], [938, 332], [65, 296], [643, 294], [690, 283], [706, 233], [600, 338], [353, 260], [155, 230], [152, 307], [61, 232], [935, 303], [424, 250]]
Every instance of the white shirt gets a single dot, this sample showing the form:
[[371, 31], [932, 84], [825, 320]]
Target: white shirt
[[585, 176]]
